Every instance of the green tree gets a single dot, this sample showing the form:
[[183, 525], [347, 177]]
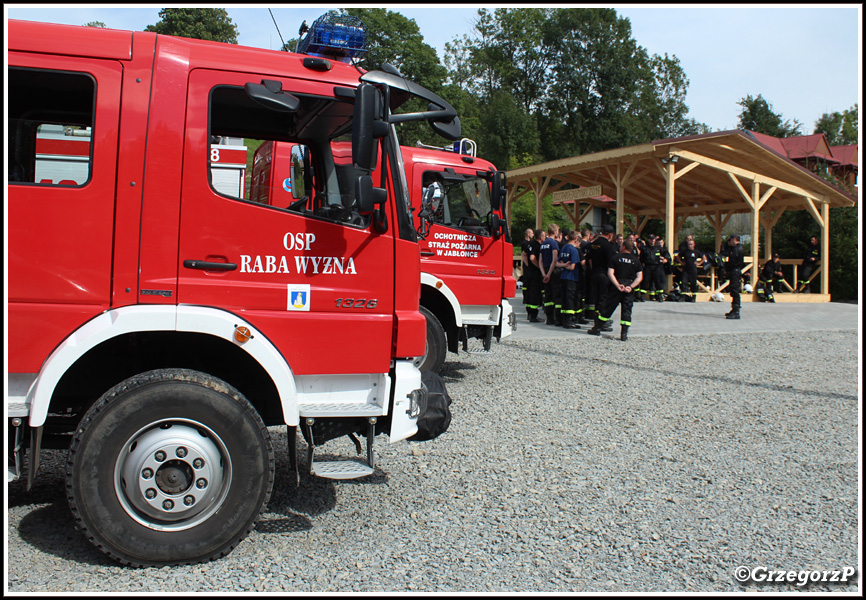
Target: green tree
[[97, 24], [758, 116], [523, 215], [397, 40], [201, 23], [841, 129], [574, 75]]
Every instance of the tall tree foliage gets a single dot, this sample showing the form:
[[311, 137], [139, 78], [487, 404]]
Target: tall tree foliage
[[201, 23], [577, 82], [397, 40], [758, 116], [840, 128]]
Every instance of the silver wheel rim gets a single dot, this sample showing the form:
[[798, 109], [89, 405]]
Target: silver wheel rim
[[172, 475]]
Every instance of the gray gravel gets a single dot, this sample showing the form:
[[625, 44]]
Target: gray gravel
[[572, 465]]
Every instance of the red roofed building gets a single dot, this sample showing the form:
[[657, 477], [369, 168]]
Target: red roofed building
[[814, 153], [847, 169]]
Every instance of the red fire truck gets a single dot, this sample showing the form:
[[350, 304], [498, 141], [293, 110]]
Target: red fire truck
[[466, 253], [161, 318]]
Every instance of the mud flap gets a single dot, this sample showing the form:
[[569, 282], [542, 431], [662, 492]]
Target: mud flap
[[436, 418]]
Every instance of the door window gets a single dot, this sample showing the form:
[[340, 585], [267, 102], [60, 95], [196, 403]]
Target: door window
[[50, 127], [464, 201], [285, 161]]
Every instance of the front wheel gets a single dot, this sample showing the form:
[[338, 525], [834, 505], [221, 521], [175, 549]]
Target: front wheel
[[169, 467], [436, 347]]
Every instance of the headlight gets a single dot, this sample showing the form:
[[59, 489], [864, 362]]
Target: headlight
[[417, 402]]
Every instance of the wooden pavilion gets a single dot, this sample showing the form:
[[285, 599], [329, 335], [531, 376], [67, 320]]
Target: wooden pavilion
[[714, 175]]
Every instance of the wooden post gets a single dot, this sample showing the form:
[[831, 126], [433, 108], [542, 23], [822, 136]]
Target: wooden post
[[756, 231], [539, 186], [825, 247], [670, 217], [620, 203]]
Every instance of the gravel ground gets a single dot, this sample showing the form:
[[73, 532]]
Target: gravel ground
[[592, 465]]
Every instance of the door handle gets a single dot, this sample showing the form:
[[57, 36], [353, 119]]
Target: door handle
[[427, 253], [205, 265]]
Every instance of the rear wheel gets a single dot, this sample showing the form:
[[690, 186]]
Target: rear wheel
[[169, 467], [437, 346]]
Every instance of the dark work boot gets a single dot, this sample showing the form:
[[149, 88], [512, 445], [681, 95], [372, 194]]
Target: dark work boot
[[623, 333], [600, 326], [734, 314], [568, 322]]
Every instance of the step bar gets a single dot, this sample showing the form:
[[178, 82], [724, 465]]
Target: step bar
[[351, 468]]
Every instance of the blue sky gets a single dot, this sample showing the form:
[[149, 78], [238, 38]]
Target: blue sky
[[804, 59]]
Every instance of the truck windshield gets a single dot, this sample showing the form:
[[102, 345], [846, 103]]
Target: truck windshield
[[464, 201]]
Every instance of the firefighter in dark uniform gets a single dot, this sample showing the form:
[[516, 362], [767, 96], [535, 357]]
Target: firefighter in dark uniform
[[810, 263], [767, 278], [653, 274], [524, 259], [601, 250], [690, 258], [639, 248], [734, 259], [775, 278], [532, 278], [625, 273], [549, 274], [666, 260], [583, 284], [570, 263]]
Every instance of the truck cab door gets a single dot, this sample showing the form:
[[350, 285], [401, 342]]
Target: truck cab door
[[312, 276], [62, 136], [459, 246]]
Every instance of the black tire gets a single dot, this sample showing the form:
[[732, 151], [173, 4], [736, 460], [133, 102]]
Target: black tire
[[199, 453], [437, 345]]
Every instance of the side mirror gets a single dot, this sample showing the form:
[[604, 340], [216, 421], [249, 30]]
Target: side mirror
[[499, 191], [367, 127], [269, 94], [369, 197], [496, 225], [432, 197], [430, 203]]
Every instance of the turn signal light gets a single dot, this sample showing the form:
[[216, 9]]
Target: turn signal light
[[243, 334]]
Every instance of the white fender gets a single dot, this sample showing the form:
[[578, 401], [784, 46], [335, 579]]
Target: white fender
[[131, 319], [442, 287]]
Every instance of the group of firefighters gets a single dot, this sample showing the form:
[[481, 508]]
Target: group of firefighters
[[576, 278]]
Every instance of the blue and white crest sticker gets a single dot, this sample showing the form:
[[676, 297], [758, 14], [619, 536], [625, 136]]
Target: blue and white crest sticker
[[299, 297]]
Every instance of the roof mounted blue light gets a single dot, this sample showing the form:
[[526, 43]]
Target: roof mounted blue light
[[336, 36]]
